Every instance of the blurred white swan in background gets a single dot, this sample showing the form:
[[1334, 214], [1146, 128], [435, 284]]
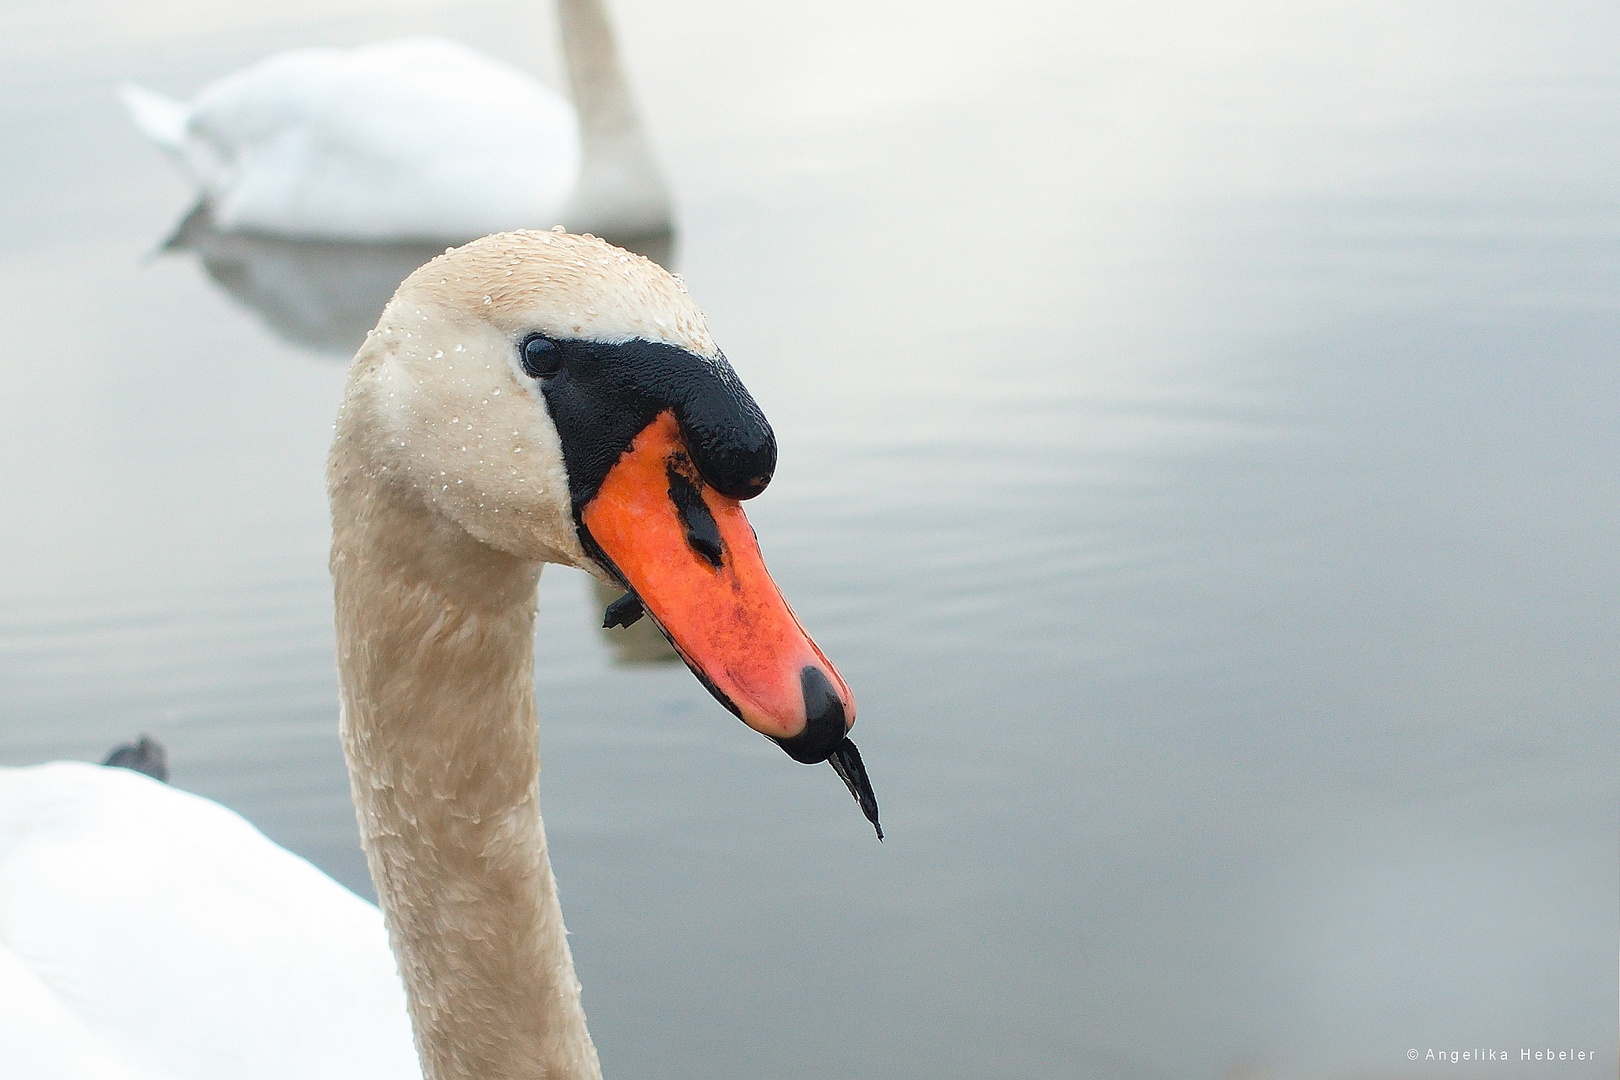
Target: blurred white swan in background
[[416, 139]]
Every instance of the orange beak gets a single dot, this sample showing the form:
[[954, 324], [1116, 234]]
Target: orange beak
[[690, 555]]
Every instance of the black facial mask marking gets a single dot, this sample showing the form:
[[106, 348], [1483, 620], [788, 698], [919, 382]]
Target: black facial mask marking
[[702, 534]]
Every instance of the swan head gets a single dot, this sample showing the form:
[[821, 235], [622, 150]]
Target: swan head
[[560, 400]]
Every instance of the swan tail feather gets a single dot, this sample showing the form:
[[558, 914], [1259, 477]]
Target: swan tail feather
[[161, 119]]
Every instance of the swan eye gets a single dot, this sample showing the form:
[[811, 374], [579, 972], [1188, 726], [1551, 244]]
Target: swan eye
[[541, 356]]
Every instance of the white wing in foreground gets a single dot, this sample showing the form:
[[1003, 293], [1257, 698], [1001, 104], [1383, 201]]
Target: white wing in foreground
[[149, 933]]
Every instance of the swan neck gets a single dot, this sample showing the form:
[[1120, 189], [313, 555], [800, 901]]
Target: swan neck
[[620, 191], [600, 90], [436, 659]]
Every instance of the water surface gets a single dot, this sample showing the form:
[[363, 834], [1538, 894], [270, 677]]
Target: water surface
[[1197, 434]]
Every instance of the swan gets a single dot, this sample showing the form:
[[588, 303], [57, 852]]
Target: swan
[[416, 139], [528, 398]]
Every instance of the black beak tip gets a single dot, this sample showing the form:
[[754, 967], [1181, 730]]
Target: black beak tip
[[824, 724], [825, 738]]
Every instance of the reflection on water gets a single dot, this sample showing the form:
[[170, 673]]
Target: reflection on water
[[324, 295]]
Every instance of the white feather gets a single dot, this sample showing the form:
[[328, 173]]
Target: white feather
[[161, 119], [149, 933]]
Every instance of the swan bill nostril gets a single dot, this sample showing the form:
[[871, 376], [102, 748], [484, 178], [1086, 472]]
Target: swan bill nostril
[[702, 533]]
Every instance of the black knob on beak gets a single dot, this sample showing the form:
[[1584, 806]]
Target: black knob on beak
[[730, 440]]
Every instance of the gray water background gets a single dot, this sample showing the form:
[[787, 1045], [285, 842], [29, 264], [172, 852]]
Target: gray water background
[[1198, 436]]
